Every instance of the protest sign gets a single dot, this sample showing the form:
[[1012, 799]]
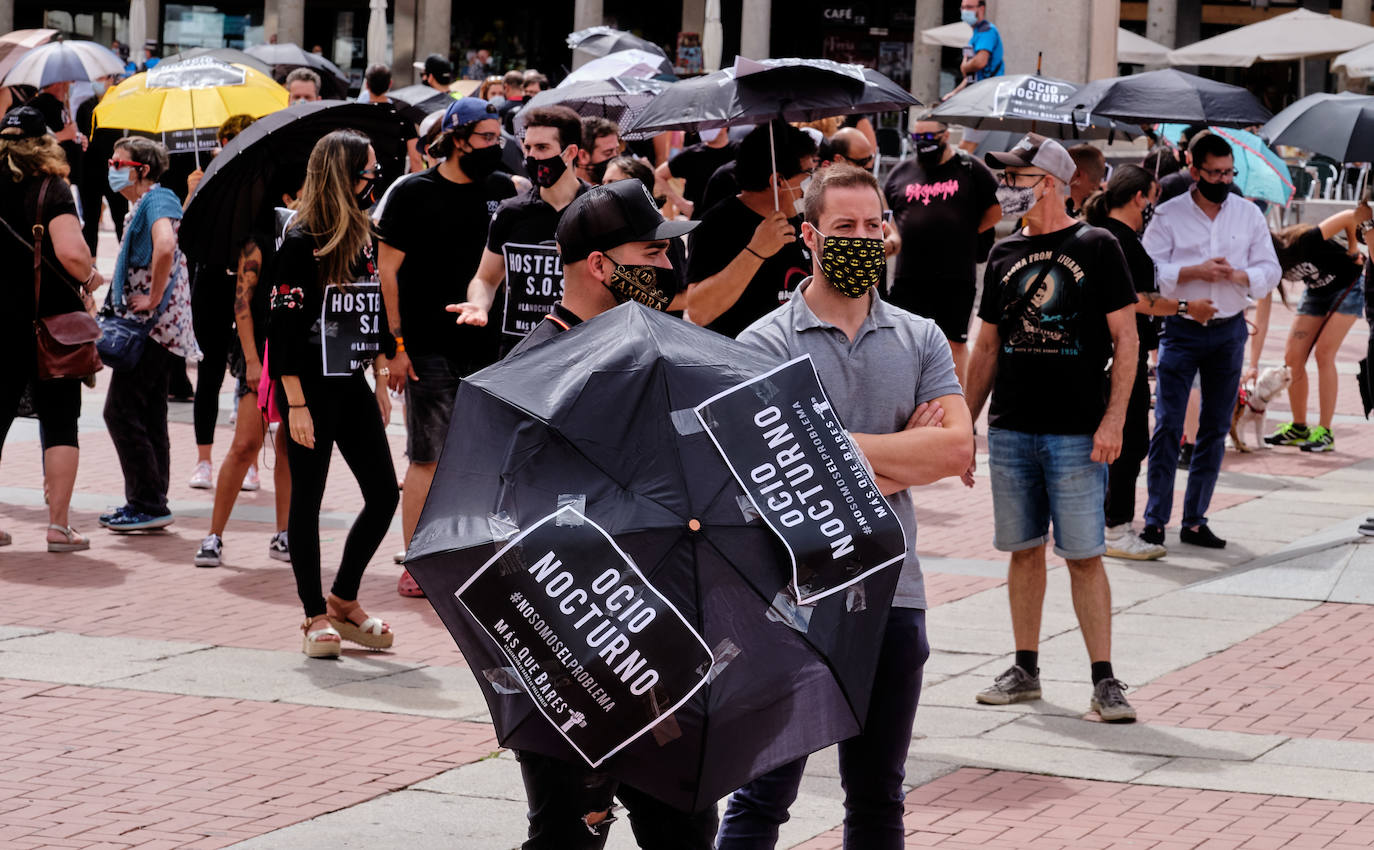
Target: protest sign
[[534, 281], [788, 450], [601, 653], [350, 327]]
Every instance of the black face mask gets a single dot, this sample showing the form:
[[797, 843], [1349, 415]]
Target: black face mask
[[597, 171], [545, 172], [642, 284], [929, 153], [479, 163], [1214, 192], [364, 197]]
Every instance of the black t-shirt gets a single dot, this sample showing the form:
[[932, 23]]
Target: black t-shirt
[[937, 211], [695, 165], [1142, 269], [525, 219], [58, 294], [393, 153], [559, 320], [723, 184], [57, 116], [724, 231], [1054, 343], [441, 226], [1322, 263]]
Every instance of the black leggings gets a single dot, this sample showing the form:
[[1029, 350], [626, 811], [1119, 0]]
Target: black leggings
[[57, 403], [1135, 445], [212, 317], [344, 411]]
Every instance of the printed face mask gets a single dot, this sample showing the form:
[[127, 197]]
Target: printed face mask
[[545, 172], [119, 178], [637, 283], [928, 153], [852, 264], [364, 197], [1016, 201], [1214, 192]]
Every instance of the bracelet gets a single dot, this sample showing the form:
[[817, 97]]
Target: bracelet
[[400, 346], [400, 340], [1182, 308], [755, 253], [90, 277], [294, 406]]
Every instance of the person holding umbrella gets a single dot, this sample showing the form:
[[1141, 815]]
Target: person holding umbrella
[[890, 376]]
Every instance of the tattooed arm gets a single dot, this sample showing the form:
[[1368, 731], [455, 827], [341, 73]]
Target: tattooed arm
[[245, 284], [1154, 304]]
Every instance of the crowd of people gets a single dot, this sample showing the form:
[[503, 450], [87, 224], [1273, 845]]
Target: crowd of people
[[779, 236]]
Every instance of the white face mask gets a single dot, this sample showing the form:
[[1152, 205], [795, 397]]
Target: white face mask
[[709, 136]]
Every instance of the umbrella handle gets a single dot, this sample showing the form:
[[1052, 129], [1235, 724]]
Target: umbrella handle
[[773, 158], [195, 142]]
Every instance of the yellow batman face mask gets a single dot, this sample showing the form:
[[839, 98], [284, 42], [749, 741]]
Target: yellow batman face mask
[[853, 265]]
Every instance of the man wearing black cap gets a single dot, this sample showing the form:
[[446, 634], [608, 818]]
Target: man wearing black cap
[[614, 245], [436, 71], [1057, 304]]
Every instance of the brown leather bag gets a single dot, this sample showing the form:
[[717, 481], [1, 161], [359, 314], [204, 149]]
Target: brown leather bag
[[66, 341]]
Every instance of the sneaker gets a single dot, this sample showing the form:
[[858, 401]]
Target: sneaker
[[1367, 527], [1153, 534], [277, 549], [1185, 455], [203, 477], [1122, 542], [399, 557], [1203, 537], [1319, 439], [107, 518], [1288, 434], [133, 520], [1109, 701], [250, 480], [211, 548], [1015, 685]]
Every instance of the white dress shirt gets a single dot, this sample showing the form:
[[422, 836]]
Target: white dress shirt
[[1181, 234]]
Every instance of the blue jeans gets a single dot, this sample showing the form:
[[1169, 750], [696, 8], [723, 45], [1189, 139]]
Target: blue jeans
[[872, 765], [1214, 353], [1037, 478]]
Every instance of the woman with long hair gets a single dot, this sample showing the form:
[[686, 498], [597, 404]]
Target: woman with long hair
[[1124, 208], [34, 190], [330, 246]]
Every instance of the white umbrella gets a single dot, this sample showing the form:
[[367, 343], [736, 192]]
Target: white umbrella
[[377, 52], [636, 64], [1356, 63], [1131, 49], [1299, 34], [64, 61]]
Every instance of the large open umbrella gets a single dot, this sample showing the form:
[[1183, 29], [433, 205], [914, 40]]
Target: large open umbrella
[[603, 41], [223, 54], [1299, 34], [1026, 103], [638, 64], [420, 100], [600, 419], [1355, 63], [618, 99], [286, 57], [1167, 95], [13, 46], [64, 61], [1340, 126]]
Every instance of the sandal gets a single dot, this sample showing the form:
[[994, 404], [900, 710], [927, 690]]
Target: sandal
[[371, 632], [74, 543], [320, 643]]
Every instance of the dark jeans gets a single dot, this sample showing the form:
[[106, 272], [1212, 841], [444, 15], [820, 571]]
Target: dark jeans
[[136, 417], [1135, 445], [212, 317], [872, 765], [344, 411], [562, 793], [1213, 351]]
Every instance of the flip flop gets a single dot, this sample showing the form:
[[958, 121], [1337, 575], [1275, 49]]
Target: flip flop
[[75, 542]]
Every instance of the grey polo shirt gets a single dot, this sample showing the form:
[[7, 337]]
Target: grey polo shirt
[[897, 361]]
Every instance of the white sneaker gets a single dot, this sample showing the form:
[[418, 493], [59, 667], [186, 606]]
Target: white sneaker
[[278, 549], [211, 550], [1123, 542], [250, 480], [203, 477]]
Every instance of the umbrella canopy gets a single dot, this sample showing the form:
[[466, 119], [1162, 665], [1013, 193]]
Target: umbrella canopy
[[419, 101], [1260, 172], [1131, 49], [1026, 103], [284, 58], [1340, 126], [1167, 95], [1295, 35], [639, 64], [246, 180], [603, 41], [13, 45], [618, 99], [64, 61], [1355, 63], [224, 54], [600, 417]]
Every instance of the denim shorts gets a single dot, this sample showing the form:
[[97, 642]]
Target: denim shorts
[[1039, 478], [1319, 303], [429, 405]]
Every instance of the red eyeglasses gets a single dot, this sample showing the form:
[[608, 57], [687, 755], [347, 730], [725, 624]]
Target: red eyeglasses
[[124, 163]]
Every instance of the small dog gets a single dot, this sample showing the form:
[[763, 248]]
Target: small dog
[[1252, 403]]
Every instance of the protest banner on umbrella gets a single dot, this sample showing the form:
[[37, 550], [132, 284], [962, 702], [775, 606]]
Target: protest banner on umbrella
[[785, 445], [534, 281], [604, 655], [350, 327]]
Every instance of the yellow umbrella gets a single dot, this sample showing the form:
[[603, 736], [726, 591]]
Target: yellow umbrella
[[176, 100]]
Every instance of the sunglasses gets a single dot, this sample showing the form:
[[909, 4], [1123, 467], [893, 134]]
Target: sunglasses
[[927, 137]]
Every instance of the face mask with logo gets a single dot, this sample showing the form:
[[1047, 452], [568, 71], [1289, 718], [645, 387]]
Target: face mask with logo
[[1214, 192], [968, 16], [637, 283], [545, 172], [853, 264], [1015, 201], [929, 153], [479, 163], [364, 197], [119, 178]]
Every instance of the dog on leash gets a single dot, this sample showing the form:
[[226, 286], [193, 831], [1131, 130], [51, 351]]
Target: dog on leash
[[1252, 403]]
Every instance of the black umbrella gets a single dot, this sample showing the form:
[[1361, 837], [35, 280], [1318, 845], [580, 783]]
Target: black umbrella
[[284, 58], [619, 99], [1168, 95], [223, 54], [603, 41], [601, 418], [419, 101], [1340, 126], [1025, 103], [246, 180]]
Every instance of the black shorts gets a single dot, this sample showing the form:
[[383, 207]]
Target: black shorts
[[429, 405], [948, 304]]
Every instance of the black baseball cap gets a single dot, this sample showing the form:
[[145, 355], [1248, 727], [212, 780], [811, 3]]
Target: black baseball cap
[[23, 122], [437, 66], [611, 215]]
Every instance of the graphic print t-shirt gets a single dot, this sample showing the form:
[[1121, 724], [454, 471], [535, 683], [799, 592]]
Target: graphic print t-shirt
[[1055, 340], [1324, 263], [937, 211]]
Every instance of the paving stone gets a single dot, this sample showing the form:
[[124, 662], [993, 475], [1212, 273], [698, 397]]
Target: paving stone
[[1138, 738], [1264, 778], [11, 632], [127, 648], [1208, 606], [1036, 758], [266, 675], [1319, 752], [447, 692]]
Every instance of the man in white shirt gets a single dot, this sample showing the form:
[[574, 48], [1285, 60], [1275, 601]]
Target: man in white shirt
[[1207, 244]]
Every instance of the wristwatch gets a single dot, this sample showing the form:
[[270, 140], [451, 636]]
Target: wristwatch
[[1182, 307]]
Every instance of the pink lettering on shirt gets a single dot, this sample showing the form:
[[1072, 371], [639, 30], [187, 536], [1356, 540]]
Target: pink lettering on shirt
[[924, 192]]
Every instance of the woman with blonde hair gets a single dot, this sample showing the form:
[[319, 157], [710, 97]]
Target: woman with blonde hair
[[330, 246], [34, 191]]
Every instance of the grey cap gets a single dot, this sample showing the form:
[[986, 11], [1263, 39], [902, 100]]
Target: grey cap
[[1036, 151]]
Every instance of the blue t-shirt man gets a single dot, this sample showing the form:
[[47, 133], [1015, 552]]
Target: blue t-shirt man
[[985, 38]]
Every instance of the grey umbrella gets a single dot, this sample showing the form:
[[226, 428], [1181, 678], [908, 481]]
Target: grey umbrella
[[223, 54], [1168, 95], [603, 41], [620, 99], [1338, 125], [1026, 103]]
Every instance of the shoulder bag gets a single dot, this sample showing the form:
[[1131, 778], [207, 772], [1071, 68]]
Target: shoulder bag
[[122, 340]]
